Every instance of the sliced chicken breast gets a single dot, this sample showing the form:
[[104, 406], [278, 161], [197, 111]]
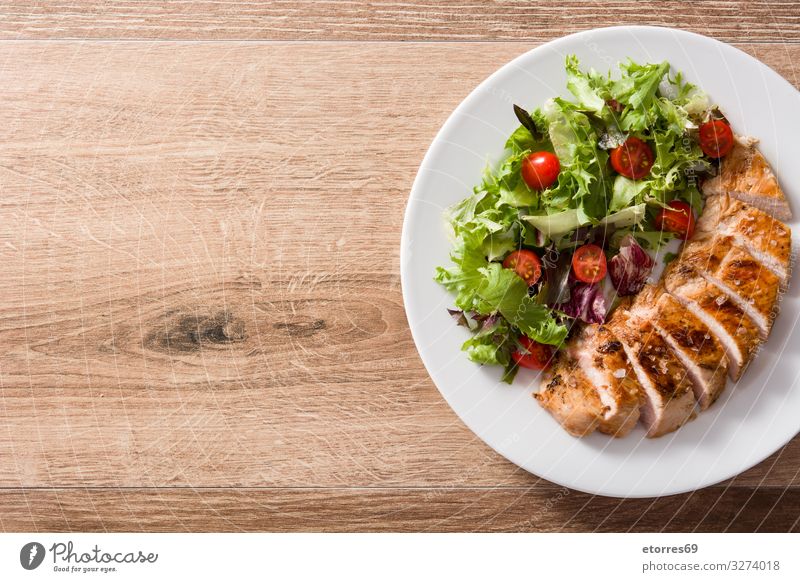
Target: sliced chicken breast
[[737, 333], [602, 360], [668, 396], [755, 288], [568, 395], [749, 284], [666, 352], [746, 175], [766, 239], [690, 339]]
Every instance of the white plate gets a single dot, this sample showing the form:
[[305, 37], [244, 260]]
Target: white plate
[[753, 418]]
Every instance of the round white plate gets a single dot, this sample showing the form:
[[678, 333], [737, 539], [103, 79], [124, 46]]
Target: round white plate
[[753, 418]]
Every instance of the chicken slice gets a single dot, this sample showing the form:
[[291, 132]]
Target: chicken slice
[[668, 396], [690, 339], [602, 360], [568, 395], [746, 176], [753, 287], [766, 239], [737, 333]]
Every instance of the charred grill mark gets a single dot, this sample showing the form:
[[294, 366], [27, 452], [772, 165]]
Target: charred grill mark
[[611, 347], [690, 338], [743, 271], [554, 382], [664, 373], [725, 309], [705, 259], [649, 363], [749, 264]]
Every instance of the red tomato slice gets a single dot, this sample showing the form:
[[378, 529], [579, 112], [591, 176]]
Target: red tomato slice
[[678, 218], [589, 264], [716, 138], [526, 264], [633, 159], [540, 170], [533, 355]]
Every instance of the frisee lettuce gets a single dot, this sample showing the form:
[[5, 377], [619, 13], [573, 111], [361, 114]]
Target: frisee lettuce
[[503, 214], [503, 291]]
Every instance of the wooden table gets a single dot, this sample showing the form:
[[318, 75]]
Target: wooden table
[[200, 314]]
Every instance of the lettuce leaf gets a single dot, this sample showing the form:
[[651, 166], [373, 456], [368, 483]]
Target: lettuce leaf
[[504, 292], [464, 277], [584, 86], [626, 192], [583, 189], [626, 217], [554, 226], [523, 141], [503, 214], [492, 343]]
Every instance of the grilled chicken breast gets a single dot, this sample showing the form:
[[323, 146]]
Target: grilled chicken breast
[[602, 360], [667, 352], [750, 285], [746, 175], [768, 240], [736, 332], [691, 341], [568, 395], [665, 386]]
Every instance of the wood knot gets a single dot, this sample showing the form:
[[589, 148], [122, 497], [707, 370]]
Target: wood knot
[[304, 329], [188, 333]]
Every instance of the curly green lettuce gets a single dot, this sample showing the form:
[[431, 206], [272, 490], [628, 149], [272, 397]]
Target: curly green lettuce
[[503, 214]]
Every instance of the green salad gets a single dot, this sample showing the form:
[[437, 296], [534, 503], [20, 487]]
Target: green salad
[[562, 226]]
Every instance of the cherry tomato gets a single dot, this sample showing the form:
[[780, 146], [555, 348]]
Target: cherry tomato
[[589, 263], [540, 170], [526, 264], [533, 354], [633, 159], [678, 218], [716, 138]]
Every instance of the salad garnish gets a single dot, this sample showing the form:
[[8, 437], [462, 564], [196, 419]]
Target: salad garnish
[[562, 225]]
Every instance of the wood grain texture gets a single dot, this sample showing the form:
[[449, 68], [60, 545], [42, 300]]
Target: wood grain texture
[[201, 289], [732, 21], [548, 509]]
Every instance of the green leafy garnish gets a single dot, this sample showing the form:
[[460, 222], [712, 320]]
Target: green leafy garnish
[[504, 214]]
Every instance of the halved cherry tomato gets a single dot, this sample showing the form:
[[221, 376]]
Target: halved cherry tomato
[[589, 264], [678, 218], [526, 264], [540, 170], [716, 138], [633, 159], [533, 354]]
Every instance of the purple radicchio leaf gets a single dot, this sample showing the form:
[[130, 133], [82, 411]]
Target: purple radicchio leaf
[[630, 268], [538, 236], [586, 303], [474, 321], [488, 322], [458, 316]]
